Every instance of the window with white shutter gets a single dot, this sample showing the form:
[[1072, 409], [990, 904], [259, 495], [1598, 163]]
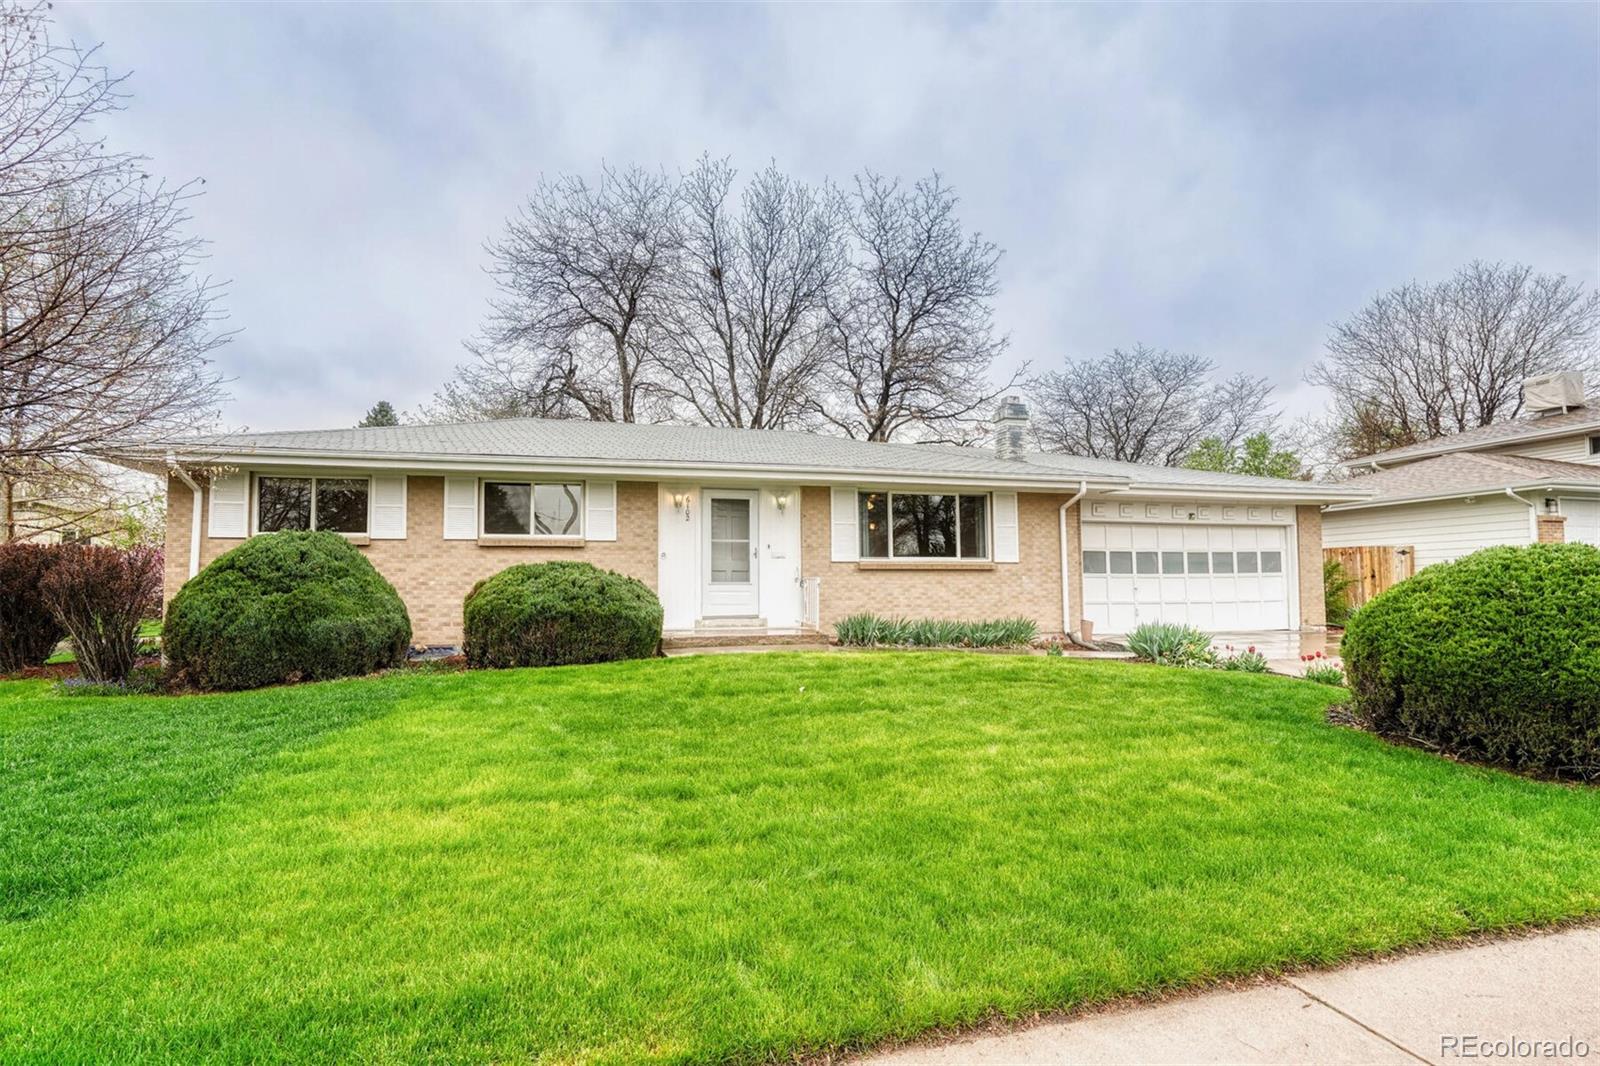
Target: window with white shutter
[[1006, 547], [230, 506], [389, 507], [846, 542], [460, 508]]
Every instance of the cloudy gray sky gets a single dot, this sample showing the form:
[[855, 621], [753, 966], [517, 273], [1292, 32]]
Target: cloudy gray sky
[[1223, 179]]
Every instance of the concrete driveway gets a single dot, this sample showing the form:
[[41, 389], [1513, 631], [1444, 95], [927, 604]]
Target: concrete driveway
[[1527, 1000], [1283, 648]]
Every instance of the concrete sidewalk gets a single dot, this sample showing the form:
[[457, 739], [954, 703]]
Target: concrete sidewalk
[[1465, 1004]]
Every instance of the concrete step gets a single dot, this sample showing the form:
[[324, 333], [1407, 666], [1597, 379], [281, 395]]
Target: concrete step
[[678, 641]]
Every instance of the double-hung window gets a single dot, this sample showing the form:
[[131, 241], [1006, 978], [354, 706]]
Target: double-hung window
[[532, 509], [336, 504], [922, 525]]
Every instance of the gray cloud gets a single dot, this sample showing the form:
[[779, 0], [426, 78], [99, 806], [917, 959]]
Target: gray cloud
[[1221, 179]]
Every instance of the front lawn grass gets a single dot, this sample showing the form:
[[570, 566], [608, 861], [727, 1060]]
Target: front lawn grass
[[725, 857]]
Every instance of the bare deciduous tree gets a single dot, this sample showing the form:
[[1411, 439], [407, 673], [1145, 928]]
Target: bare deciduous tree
[[911, 339], [584, 273], [753, 287], [1146, 406], [105, 329], [1424, 360]]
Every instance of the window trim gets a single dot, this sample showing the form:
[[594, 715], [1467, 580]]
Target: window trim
[[255, 500], [943, 560], [582, 532]]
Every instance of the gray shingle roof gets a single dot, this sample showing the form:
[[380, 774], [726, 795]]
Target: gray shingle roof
[[558, 441], [1494, 434], [1166, 476], [615, 442], [1459, 472]]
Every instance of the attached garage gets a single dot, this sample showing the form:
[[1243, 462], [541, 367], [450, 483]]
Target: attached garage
[[1217, 577]]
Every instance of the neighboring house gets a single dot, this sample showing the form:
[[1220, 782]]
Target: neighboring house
[[1535, 478], [41, 521], [766, 530]]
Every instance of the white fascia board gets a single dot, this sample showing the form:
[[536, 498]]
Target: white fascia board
[[1579, 487], [729, 473], [1240, 492]]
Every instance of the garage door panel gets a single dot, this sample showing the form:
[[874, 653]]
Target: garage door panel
[[1214, 577]]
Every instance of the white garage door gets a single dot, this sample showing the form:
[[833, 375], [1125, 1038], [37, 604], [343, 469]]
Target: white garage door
[[1216, 577], [1583, 520]]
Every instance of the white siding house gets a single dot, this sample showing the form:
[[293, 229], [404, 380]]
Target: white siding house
[[1438, 531], [1518, 482]]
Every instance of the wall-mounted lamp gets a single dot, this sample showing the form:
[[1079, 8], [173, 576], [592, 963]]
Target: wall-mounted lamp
[[781, 498], [679, 499], [1549, 505]]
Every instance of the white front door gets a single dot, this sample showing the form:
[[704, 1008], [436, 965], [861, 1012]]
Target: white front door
[[731, 542]]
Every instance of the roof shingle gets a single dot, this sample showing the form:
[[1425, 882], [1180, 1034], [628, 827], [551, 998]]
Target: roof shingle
[[1450, 475]]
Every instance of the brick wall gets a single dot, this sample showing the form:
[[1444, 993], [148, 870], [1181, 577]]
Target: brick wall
[[1031, 587], [434, 575], [1552, 529], [1313, 607]]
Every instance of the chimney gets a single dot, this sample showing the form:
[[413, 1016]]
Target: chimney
[[1011, 428], [1553, 394]]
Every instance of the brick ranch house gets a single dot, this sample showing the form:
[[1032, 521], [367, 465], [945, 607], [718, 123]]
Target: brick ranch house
[[766, 530]]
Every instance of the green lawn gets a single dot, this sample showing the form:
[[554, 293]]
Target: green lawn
[[148, 630], [734, 857]]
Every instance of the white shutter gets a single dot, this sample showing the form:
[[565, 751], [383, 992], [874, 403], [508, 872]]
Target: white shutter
[[846, 539], [600, 502], [1005, 527], [230, 506], [389, 508], [460, 508]]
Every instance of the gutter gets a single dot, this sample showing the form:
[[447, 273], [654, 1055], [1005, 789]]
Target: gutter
[[1533, 515], [1066, 585], [1577, 487], [194, 515]]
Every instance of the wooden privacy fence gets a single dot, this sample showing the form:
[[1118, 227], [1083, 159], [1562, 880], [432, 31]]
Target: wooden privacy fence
[[1373, 567]]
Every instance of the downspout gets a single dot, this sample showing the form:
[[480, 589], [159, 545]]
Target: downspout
[[194, 514], [1066, 585], [1533, 516]]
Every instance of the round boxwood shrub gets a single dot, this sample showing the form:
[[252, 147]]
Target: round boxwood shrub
[[284, 607], [550, 614], [1493, 657]]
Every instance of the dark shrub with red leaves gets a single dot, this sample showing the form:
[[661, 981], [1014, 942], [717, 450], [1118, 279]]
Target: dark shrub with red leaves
[[99, 595], [28, 631]]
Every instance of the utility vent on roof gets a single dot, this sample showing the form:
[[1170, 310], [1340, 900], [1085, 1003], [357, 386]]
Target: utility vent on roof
[[1551, 394]]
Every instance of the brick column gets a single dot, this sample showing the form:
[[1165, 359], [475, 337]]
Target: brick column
[[1552, 529], [1313, 608]]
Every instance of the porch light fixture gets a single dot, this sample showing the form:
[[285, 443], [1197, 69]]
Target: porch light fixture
[[1549, 505], [679, 499], [782, 500]]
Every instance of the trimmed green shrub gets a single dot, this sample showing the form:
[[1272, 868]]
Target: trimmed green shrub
[[28, 631], [1494, 657], [867, 630], [284, 607], [552, 614], [1171, 644]]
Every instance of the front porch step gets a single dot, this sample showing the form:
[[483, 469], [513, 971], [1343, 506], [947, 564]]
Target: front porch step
[[719, 624], [697, 638]]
